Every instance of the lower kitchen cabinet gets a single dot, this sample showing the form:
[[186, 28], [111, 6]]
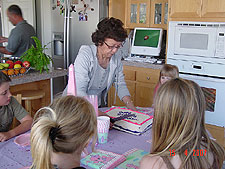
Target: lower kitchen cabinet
[[218, 133], [141, 83], [118, 102], [144, 94]]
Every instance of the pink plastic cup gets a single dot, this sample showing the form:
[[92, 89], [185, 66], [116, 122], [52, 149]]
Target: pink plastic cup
[[93, 99]]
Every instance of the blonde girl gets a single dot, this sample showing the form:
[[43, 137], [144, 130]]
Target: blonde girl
[[61, 131], [180, 139], [166, 73]]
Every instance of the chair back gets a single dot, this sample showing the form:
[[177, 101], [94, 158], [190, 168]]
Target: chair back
[[15, 122]]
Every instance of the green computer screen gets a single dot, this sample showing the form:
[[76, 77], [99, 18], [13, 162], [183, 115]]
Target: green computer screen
[[148, 38]]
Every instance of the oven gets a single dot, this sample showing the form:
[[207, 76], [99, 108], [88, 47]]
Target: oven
[[214, 91], [203, 63]]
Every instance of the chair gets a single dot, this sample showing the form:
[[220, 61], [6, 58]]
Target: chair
[[28, 96], [15, 122]]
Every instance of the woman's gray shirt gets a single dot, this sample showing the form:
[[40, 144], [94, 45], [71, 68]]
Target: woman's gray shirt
[[85, 73]]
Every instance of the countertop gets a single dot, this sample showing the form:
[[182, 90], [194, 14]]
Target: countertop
[[142, 64], [33, 76]]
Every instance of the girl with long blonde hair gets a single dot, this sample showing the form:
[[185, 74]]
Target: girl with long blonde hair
[[179, 136], [60, 133]]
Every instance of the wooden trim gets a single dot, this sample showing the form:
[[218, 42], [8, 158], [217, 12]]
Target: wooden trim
[[199, 19], [217, 132]]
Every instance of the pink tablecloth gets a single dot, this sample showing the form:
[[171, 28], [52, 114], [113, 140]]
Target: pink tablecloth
[[13, 156]]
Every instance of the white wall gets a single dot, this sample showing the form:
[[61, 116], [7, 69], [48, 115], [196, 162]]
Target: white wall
[[44, 12]]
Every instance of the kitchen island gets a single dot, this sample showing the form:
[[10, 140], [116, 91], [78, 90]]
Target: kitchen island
[[33, 76], [35, 80]]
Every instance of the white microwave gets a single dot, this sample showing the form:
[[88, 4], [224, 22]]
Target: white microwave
[[200, 39], [197, 47]]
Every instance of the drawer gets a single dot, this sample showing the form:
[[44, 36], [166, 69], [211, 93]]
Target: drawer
[[129, 74], [148, 75]]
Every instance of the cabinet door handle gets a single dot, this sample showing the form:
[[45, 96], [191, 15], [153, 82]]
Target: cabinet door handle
[[148, 78]]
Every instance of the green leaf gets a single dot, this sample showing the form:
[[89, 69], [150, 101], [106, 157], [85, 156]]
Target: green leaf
[[37, 57]]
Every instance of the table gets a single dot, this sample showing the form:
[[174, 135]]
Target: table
[[13, 156]]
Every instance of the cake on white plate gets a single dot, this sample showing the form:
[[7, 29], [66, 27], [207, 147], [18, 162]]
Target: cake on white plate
[[136, 124]]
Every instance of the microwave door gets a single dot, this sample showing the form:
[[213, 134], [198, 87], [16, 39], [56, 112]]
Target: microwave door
[[195, 41]]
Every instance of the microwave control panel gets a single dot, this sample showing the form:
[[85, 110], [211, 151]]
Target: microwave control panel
[[220, 44]]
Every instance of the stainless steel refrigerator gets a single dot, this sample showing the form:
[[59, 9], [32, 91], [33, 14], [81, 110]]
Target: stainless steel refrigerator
[[73, 22]]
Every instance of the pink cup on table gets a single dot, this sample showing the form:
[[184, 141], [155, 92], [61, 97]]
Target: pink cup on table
[[103, 128], [93, 99]]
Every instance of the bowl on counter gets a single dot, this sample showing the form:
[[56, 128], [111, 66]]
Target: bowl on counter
[[14, 66]]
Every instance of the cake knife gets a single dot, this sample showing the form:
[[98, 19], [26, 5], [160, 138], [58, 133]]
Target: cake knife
[[113, 120]]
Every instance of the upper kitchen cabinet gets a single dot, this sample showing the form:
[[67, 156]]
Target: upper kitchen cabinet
[[137, 13], [213, 9], [159, 13], [197, 10], [184, 8], [140, 13], [117, 9]]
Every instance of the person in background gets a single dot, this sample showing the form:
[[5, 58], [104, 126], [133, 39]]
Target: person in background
[[10, 108], [61, 131], [19, 39], [179, 136], [97, 66], [166, 73]]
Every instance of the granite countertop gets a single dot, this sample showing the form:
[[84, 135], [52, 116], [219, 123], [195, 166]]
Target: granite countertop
[[142, 64], [33, 76]]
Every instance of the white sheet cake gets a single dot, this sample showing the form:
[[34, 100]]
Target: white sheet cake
[[135, 124]]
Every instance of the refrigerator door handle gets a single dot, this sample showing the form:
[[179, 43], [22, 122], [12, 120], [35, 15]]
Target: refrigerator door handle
[[67, 33], [65, 36]]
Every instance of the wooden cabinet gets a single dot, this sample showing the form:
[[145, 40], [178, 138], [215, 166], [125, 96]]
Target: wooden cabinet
[[43, 85], [197, 10], [137, 13], [141, 83], [117, 9], [140, 13], [159, 13], [146, 81], [213, 9], [184, 8], [218, 133]]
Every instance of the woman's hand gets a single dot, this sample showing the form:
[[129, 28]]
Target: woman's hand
[[129, 103], [131, 106]]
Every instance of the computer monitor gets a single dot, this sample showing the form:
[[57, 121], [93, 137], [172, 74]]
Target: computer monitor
[[147, 41]]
